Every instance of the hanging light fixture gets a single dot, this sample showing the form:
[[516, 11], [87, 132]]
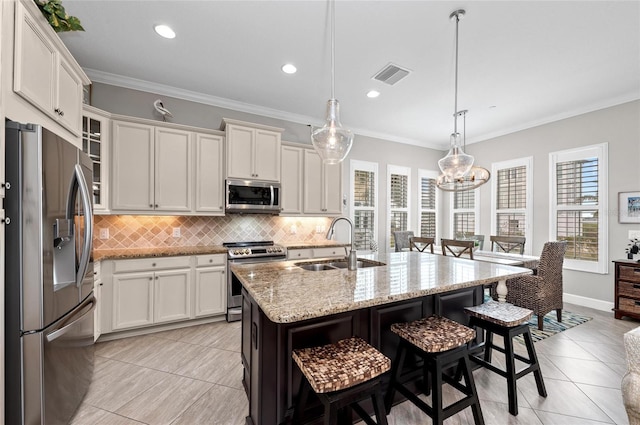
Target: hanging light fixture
[[458, 172], [473, 178], [332, 141]]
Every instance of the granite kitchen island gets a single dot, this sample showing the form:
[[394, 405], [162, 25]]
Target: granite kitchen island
[[287, 307]]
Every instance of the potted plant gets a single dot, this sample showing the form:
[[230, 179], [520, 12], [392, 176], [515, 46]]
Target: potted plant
[[633, 248], [57, 16]]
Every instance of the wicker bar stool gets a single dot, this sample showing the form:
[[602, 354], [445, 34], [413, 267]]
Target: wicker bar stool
[[441, 343], [508, 321], [342, 375]]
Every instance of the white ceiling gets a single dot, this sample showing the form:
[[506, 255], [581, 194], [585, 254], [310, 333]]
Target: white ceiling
[[522, 63]]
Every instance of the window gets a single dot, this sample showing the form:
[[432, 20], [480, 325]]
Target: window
[[464, 213], [364, 196], [428, 201], [511, 209], [398, 193], [578, 206]]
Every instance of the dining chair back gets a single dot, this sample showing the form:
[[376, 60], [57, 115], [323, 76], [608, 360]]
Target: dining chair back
[[401, 239], [457, 247], [543, 292], [421, 244], [513, 244]]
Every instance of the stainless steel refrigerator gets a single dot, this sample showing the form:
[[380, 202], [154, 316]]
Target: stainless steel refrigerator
[[49, 276]]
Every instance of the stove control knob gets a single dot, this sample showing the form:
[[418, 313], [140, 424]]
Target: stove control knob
[[236, 252], [247, 251]]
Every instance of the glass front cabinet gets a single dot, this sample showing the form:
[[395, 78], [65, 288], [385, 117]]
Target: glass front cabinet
[[95, 140]]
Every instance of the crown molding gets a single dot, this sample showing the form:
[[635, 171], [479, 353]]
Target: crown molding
[[165, 90]]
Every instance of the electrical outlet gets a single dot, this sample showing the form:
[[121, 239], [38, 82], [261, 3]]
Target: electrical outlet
[[634, 234], [293, 230], [176, 232], [104, 233]]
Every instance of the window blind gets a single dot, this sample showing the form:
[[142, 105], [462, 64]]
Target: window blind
[[364, 188], [398, 200], [427, 207], [576, 195], [511, 201]]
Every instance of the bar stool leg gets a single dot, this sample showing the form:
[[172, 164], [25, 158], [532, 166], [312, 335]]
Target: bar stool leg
[[488, 346], [396, 370], [511, 374], [378, 406], [436, 394], [470, 383], [302, 400], [528, 341]]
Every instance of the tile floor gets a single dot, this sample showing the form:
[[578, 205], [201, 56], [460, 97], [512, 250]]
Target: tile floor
[[191, 376]]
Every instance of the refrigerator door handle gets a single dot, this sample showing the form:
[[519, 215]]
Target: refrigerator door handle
[[85, 258], [65, 325]]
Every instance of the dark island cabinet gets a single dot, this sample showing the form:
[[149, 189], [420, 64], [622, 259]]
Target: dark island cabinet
[[627, 289], [272, 379]]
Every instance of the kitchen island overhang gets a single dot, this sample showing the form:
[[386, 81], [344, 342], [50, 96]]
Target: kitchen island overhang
[[286, 307]]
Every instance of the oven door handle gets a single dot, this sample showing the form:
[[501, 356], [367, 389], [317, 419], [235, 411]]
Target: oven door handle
[[271, 187]]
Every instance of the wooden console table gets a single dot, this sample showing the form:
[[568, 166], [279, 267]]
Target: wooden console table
[[627, 287]]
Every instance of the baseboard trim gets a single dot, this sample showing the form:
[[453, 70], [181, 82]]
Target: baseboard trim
[[158, 328], [588, 302]]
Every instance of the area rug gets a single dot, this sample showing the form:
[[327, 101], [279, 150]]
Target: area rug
[[552, 326]]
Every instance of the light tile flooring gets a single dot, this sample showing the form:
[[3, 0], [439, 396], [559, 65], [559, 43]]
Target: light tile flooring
[[192, 376]]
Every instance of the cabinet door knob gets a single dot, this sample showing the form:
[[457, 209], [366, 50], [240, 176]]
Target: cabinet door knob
[[156, 205], [150, 205], [150, 278], [156, 277], [153, 264], [210, 260]]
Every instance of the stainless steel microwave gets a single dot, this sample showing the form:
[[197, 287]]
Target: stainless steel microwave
[[253, 196]]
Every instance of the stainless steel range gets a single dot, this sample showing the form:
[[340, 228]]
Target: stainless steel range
[[246, 253]]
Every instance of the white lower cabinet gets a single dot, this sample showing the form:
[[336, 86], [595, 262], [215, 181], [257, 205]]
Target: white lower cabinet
[[132, 300], [210, 291], [138, 293], [172, 296]]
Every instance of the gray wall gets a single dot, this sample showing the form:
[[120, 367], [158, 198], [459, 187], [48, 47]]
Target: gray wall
[[618, 125]]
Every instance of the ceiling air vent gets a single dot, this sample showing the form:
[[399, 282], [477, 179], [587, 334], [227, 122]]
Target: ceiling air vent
[[391, 74]]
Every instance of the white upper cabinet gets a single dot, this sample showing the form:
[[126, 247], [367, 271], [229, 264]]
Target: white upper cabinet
[[208, 175], [322, 186], [172, 170], [292, 175], [44, 73], [253, 151], [95, 143], [165, 169], [132, 150]]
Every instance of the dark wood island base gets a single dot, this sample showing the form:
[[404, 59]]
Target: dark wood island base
[[287, 306], [271, 378]]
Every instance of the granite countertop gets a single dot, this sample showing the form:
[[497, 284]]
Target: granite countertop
[[317, 244], [287, 293], [116, 254]]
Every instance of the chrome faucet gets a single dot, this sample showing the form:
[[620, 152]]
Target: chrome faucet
[[352, 263]]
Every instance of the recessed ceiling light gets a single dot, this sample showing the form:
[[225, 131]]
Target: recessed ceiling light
[[373, 94], [289, 68], [164, 31]]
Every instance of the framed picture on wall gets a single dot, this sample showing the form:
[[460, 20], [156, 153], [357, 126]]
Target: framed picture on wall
[[629, 207]]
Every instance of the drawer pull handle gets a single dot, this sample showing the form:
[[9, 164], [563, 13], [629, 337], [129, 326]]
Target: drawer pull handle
[[636, 286], [637, 303]]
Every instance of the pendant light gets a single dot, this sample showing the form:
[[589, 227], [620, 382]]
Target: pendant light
[[332, 141], [476, 176], [458, 172]]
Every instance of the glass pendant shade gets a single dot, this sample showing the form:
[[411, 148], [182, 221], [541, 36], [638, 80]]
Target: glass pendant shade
[[456, 163], [332, 141], [476, 176]]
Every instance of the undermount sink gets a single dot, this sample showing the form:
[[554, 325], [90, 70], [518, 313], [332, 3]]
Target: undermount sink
[[335, 265]]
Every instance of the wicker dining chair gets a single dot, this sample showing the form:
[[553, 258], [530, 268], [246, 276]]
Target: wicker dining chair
[[508, 244], [401, 239], [541, 293], [421, 244], [457, 247]]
